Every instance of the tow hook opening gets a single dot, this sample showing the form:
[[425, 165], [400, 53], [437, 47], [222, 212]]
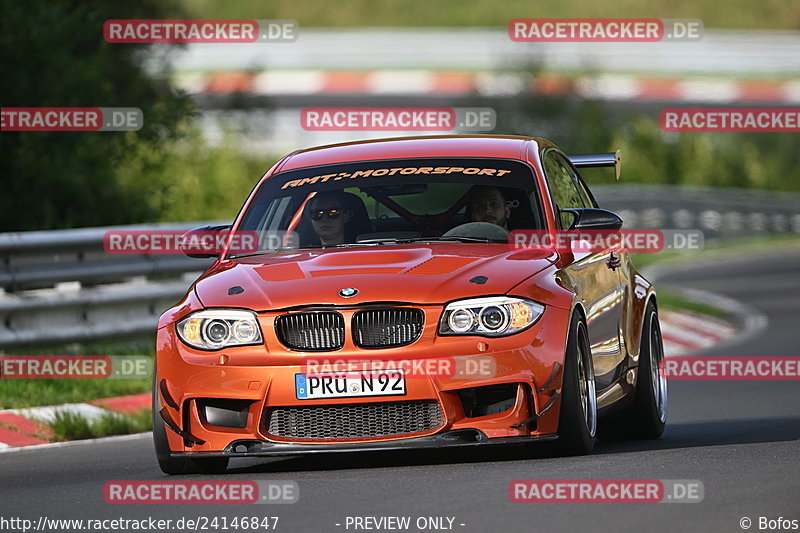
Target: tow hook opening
[[488, 400], [245, 446], [463, 435], [224, 413]]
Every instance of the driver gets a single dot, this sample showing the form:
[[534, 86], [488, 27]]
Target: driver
[[329, 217], [488, 204]]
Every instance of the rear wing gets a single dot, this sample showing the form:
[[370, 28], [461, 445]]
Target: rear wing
[[598, 160]]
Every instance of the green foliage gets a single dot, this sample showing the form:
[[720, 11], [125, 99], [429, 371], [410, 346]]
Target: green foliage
[[55, 56], [74, 426], [676, 301], [348, 13], [116, 424], [745, 160], [187, 180], [71, 426], [19, 393], [650, 155]]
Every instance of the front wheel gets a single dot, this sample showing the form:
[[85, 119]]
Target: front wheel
[[577, 422]]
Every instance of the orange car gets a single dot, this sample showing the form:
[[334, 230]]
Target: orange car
[[383, 306]]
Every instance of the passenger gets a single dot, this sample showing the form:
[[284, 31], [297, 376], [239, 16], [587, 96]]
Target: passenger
[[329, 217], [488, 204]]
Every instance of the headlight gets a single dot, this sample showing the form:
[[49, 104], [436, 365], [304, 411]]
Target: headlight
[[214, 329], [494, 316]]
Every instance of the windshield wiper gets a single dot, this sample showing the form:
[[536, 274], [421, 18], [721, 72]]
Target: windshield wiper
[[262, 252], [451, 239], [374, 242], [394, 240]]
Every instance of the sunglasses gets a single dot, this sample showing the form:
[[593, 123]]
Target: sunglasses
[[333, 214]]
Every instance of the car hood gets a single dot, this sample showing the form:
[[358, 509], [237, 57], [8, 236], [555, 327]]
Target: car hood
[[420, 274]]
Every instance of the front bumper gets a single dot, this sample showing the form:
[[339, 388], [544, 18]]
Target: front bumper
[[263, 377]]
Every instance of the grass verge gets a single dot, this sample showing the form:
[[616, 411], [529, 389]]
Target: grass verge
[[18, 393], [719, 250], [774, 14], [73, 426], [675, 301]]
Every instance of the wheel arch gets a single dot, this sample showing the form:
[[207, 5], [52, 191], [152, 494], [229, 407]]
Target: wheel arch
[[641, 293], [651, 297], [577, 305]]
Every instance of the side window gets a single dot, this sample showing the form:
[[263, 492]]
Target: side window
[[565, 186], [584, 192]]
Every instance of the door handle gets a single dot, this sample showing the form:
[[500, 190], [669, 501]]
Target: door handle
[[614, 261]]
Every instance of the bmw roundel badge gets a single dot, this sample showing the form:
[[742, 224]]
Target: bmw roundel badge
[[349, 292]]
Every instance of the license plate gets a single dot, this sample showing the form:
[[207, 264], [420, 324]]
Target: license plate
[[349, 384]]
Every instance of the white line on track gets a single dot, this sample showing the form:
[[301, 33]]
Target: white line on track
[[73, 443]]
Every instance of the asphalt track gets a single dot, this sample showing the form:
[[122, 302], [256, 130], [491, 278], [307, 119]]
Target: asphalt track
[[740, 438]]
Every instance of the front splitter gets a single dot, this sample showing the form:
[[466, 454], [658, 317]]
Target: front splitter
[[452, 439]]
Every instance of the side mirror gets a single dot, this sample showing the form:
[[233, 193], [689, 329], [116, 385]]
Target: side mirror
[[594, 219], [204, 242]]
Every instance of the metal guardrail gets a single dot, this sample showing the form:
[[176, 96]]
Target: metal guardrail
[[108, 295], [720, 52], [57, 316], [721, 213], [61, 286], [40, 259]]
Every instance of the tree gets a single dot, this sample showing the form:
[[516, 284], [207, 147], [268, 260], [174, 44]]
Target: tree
[[54, 55]]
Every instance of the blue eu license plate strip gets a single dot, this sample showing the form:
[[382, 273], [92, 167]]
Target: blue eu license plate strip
[[387, 382]]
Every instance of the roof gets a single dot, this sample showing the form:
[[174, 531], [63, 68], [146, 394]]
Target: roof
[[496, 146]]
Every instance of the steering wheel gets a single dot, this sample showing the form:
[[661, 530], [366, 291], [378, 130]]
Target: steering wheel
[[479, 230]]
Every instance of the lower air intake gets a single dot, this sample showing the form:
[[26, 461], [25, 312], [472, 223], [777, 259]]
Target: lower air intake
[[355, 421]]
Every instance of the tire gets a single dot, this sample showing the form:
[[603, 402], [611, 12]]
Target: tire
[[648, 414], [646, 417], [178, 465], [577, 419]]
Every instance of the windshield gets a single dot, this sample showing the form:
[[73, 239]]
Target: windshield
[[384, 202]]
